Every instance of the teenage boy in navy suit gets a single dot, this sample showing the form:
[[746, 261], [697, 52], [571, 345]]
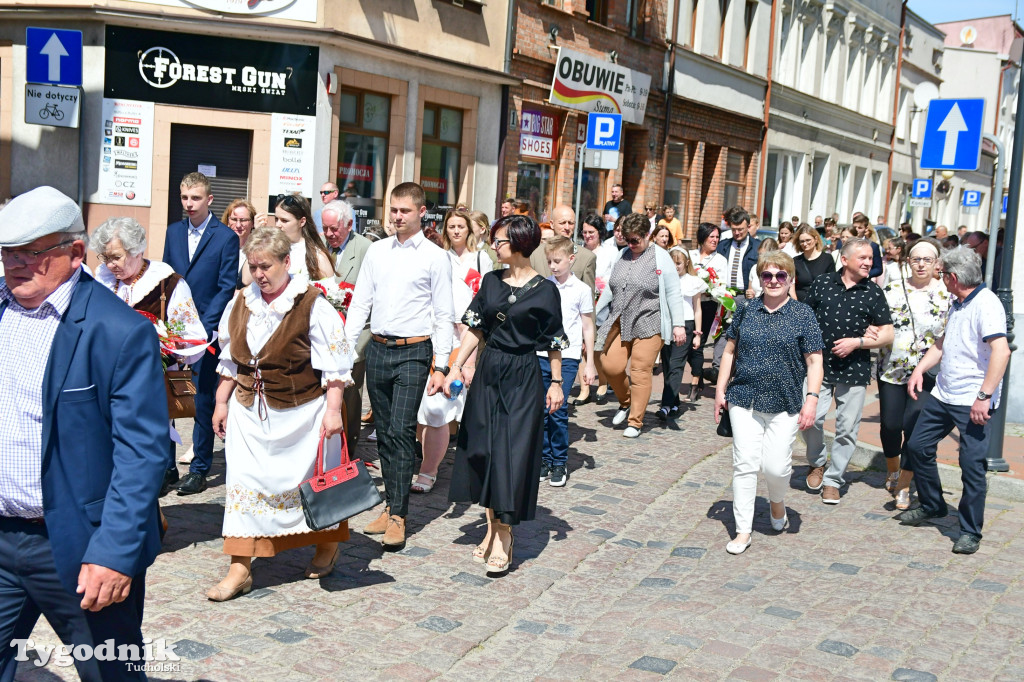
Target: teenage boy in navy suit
[[204, 251]]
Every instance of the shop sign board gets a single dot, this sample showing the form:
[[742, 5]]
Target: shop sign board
[[538, 136], [291, 154], [52, 105], [210, 71], [592, 84], [126, 153], [297, 10]]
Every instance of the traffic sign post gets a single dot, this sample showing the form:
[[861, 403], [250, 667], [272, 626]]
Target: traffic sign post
[[952, 134], [922, 188], [53, 56], [972, 199]]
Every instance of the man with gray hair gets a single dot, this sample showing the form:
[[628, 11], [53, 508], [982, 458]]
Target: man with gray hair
[[846, 304], [347, 248], [972, 356], [83, 443]]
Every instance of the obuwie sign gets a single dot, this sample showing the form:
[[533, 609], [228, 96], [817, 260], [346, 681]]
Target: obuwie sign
[[209, 71]]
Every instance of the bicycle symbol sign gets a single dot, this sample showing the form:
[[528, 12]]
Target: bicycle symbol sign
[[52, 105]]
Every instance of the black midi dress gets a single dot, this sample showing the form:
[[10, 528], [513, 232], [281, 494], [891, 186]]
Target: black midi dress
[[498, 457]]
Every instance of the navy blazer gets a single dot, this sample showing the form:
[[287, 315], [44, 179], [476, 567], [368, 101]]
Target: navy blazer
[[212, 272], [104, 447], [749, 257]]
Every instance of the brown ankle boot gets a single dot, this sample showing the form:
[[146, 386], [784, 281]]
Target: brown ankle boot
[[395, 534], [379, 524]]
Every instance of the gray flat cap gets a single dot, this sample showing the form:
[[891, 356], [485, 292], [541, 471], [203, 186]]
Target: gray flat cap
[[36, 214]]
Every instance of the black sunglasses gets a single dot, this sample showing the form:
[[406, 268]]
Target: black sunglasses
[[325, 192], [288, 200], [635, 241]]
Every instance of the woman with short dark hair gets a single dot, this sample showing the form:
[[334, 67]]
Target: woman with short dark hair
[[498, 457], [774, 343], [646, 312], [706, 261]]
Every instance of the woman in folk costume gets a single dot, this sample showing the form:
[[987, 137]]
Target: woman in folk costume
[[151, 287], [284, 363]]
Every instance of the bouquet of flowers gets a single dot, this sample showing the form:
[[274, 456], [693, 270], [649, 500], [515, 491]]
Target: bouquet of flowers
[[721, 294], [173, 345], [338, 294]]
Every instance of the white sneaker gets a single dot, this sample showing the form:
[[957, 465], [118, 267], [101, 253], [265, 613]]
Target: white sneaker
[[373, 436], [187, 457], [620, 416], [631, 432]]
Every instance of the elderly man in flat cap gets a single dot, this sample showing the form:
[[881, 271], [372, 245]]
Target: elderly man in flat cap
[[83, 443]]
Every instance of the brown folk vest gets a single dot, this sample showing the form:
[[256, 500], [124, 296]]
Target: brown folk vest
[[150, 303], [285, 361]]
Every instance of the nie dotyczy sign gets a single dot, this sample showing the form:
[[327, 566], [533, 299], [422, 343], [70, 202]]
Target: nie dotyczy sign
[[219, 73]]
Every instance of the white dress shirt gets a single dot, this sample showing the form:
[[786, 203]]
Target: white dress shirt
[[195, 235], [26, 335], [408, 287]]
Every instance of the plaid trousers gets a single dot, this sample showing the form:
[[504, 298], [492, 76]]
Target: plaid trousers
[[395, 378]]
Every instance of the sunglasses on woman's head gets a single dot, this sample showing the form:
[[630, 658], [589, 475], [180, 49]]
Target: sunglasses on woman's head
[[781, 277], [288, 199]]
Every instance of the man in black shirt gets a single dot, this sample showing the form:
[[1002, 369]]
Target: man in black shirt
[[616, 207], [846, 303]]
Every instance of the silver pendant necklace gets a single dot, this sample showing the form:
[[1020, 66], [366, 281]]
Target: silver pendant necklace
[[515, 290]]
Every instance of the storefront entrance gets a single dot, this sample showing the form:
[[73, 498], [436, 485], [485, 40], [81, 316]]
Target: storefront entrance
[[222, 154]]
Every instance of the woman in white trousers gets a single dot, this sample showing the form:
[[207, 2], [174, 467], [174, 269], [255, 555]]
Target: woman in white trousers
[[773, 345]]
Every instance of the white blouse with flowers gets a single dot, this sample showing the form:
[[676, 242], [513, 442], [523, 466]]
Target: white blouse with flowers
[[919, 320]]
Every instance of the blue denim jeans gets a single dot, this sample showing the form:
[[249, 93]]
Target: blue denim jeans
[[556, 424]]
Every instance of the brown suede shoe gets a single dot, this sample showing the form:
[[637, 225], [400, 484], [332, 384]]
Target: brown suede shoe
[[830, 495], [814, 478], [379, 524], [394, 536]]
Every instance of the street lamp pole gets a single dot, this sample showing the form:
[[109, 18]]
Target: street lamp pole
[[995, 459]]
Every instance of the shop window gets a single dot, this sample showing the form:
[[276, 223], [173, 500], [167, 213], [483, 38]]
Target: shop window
[[677, 177], [736, 164], [440, 155], [590, 192], [533, 185], [363, 153]]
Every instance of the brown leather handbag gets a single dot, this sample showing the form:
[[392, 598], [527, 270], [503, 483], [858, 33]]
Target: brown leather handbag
[[181, 390]]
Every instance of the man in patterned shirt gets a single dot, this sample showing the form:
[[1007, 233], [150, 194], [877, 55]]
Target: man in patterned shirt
[[83, 445], [846, 304]]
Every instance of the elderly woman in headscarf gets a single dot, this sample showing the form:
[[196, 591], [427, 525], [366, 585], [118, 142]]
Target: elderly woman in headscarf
[[150, 287]]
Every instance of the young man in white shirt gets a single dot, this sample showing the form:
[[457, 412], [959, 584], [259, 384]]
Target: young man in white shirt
[[578, 321], [406, 280], [973, 353]]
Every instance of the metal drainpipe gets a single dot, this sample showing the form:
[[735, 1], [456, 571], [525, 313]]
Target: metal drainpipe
[[669, 97], [896, 110], [763, 162]]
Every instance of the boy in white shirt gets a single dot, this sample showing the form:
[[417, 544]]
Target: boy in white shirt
[[578, 322]]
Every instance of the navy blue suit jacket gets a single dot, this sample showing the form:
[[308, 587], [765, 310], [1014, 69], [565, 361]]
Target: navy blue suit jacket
[[104, 444], [213, 271], [749, 257]]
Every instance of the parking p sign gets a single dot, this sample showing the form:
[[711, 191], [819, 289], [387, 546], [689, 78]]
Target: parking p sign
[[604, 131], [922, 188]]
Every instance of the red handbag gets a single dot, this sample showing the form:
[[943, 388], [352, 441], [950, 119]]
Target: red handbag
[[330, 497]]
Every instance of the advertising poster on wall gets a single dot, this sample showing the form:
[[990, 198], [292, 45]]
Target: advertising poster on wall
[[126, 153], [291, 154]]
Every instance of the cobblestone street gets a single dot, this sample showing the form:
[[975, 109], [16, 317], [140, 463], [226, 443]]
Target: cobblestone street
[[623, 575]]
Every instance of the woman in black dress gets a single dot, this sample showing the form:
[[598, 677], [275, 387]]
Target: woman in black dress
[[497, 461], [810, 263]]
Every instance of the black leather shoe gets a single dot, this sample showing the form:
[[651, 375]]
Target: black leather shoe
[[711, 375], [966, 544], [192, 483], [917, 516], [171, 477]]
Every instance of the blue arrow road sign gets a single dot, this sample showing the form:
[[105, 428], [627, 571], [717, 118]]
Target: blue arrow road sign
[[972, 198], [952, 134], [922, 188], [604, 131], [53, 56]]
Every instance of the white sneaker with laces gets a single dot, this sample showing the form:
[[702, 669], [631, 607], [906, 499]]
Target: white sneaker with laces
[[620, 416]]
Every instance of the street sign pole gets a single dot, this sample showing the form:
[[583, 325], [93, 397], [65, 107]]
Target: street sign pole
[[581, 153], [994, 211], [995, 461]]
